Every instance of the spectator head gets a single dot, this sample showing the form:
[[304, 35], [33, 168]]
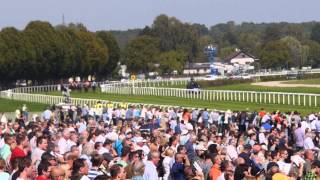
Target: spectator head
[[309, 155], [138, 168], [25, 167], [272, 168], [88, 149], [181, 149], [42, 142], [96, 160], [8, 139], [47, 157], [75, 150], [316, 166], [169, 152], [57, 173], [125, 152], [107, 158], [66, 133], [179, 158], [284, 154], [216, 159], [44, 169], [22, 139], [154, 157], [80, 167], [117, 172], [226, 166]]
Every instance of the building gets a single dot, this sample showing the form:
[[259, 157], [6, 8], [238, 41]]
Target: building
[[242, 60]]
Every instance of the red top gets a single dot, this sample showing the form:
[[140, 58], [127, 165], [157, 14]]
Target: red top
[[41, 178], [16, 153]]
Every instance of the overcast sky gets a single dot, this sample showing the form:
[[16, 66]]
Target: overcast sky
[[128, 14]]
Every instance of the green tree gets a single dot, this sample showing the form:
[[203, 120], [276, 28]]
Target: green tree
[[114, 51], [315, 33], [295, 49], [15, 53], [171, 61], [141, 53], [44, 40], [313, 53], [175, 35], [275, 54]]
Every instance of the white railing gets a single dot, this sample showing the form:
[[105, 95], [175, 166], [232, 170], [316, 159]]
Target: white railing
[[157, 88], [33, 89], [148, 83], [295, 99], [48, 99]]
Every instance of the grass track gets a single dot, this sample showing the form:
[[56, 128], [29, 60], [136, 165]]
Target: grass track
[[7, 105], [221, 105]]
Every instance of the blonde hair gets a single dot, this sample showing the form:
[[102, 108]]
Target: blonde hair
[[169, 152], [138, 168], [87, 149]]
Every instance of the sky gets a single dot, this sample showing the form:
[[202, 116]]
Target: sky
[[130, 14]]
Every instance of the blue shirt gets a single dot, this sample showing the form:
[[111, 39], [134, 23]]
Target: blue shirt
[[205, 115], [129, 114], [177, 171]]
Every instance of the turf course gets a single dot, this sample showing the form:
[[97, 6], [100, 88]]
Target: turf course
[[7, 105], [249, 87], [305, 81], [221, 105]]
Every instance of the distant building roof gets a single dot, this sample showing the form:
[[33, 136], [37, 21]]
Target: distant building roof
[[240, 57]]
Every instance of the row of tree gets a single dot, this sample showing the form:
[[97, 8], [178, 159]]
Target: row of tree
[[43, 52], [276, 45]]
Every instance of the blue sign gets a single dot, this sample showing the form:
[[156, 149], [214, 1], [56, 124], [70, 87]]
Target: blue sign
[[211, 52]]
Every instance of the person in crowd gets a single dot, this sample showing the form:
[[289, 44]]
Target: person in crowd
[[43, 171], [57, 173], [25, 170], [3, 173], [161, 143], [80, 170], [150, 172]]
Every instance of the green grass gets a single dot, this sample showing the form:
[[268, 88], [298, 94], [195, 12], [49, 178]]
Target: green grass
[[249, 87], [7, 105], [221, 105], [304, 81]]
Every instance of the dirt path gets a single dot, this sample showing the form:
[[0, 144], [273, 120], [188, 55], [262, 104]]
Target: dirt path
[[281, 84]]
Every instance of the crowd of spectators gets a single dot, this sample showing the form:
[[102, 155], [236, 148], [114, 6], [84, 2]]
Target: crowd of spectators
[[151, 143]]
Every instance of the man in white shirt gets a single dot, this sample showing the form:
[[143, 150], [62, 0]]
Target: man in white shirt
[[262, 136], [308, 142], [150, 172], [72, 141], [62, 143], [42, 144], [47, 114]]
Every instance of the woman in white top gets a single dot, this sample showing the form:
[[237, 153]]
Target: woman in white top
[[167, 163]]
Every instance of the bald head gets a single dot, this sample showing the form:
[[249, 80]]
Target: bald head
[[57, 173]]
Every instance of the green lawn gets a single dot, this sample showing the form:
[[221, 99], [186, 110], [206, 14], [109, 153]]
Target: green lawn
[[304, 81], [7, 105], [249, 87], [221, 105]]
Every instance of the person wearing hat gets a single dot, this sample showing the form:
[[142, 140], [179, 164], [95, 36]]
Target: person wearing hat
[[104, 167]]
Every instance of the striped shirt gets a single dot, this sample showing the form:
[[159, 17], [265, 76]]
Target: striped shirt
[[93, 173]]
